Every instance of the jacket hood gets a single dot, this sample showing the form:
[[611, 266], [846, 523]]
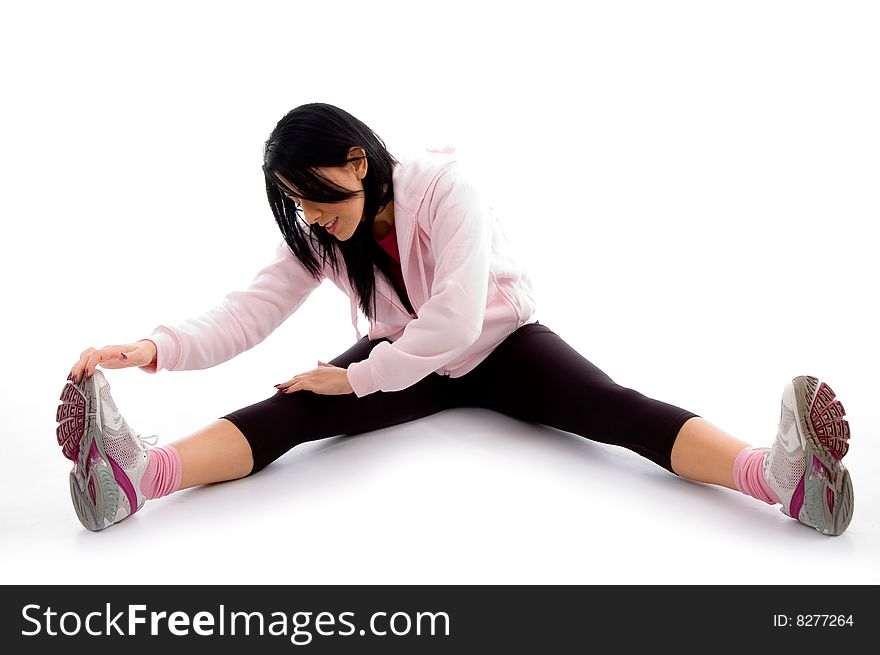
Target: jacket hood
[[415, 173]]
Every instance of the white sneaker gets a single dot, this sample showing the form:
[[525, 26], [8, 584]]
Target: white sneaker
[[109, 459], [803, 466]]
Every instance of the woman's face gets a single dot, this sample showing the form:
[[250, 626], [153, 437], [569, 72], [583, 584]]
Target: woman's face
[[340, 219]]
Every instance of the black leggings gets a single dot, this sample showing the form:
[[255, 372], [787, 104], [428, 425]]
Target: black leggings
[[533, 375]]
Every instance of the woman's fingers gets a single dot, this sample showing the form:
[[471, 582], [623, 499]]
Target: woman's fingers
[[301, 376], [107, 357], [290, 382], [328, 380], [78, 368], [303, 385], [84, 367], [299, 379], [284, 385], [97, 357]]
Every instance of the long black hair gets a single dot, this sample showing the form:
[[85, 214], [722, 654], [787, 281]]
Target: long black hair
[[320, 135]]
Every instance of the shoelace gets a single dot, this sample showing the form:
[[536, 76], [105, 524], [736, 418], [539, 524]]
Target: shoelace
[[146, 440]]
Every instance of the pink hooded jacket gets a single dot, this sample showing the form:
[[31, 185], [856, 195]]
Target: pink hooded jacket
[[468, 295]]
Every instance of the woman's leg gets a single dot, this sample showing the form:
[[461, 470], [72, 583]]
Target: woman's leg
[[247, 440], [216, 453], [220, 451], [536, 376], [706, 453]]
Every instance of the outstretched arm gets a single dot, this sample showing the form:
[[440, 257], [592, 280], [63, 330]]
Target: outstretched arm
[[244, 318]]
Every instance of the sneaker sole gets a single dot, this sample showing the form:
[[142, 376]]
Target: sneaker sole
[[93, 489], [828, 491]]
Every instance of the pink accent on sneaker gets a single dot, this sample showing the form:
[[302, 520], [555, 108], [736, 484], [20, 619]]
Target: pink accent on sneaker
[[163, 472], [797, 501], [748, 475]]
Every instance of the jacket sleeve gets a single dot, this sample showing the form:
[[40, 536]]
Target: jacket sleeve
[[451, 320], [241, 321]]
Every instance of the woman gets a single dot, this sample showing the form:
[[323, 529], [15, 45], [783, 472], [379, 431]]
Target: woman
[[452, 324]]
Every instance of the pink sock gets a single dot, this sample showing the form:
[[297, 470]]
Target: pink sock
[[748, 475], [162, 476]]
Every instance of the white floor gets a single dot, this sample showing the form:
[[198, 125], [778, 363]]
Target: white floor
[[464, 496]]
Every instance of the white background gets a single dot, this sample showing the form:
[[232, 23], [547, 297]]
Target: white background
[[691, 186]]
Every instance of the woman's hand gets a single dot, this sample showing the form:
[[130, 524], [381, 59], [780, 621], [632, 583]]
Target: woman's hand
[[140, 353], [326, 379]]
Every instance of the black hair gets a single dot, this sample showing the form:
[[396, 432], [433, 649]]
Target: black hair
[[318, 135]]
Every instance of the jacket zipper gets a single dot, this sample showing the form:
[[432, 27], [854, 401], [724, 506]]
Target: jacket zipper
[[404, 262]]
